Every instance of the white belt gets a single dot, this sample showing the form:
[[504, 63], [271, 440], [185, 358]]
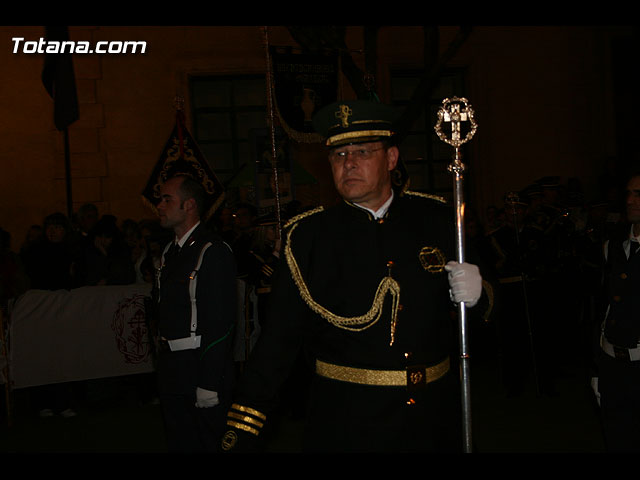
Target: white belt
[[186, 343], [614, 351]]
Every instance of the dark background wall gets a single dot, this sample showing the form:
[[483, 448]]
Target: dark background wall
[[549, 100]]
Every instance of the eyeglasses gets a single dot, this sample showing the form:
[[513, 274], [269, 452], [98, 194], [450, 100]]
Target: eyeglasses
[[358, 154]]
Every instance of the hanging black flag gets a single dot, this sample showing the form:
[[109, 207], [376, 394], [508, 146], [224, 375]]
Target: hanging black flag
[[59, 80], [303, 84], [181, 155]]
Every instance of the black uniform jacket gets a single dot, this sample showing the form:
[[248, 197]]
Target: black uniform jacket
[[334, 262], [622, 279], [207, 367]]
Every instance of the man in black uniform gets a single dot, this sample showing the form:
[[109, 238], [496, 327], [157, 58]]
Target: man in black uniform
[[364, 288], [619, 358], [196, 309]]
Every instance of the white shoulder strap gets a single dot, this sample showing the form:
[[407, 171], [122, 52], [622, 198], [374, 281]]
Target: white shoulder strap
[[193, 281]]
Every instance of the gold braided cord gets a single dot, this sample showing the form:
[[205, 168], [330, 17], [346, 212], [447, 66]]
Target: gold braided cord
[[302, 215], [358, 134], [361, 122], [425, 195], [360, 323], [302, 137]]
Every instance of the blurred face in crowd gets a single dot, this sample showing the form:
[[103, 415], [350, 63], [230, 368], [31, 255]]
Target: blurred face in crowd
[[103, 242], [88, 220], [243, 219], [225, 217], [361, 172], [633, 202], [55, 233]]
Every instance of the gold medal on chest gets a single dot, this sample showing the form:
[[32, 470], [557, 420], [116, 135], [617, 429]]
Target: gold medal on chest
[[432, 259]]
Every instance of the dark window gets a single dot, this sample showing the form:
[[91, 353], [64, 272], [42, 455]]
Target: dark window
[[427, 158], [225, 109]]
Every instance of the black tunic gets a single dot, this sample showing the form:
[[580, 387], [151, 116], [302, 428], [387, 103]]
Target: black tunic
[[207, 367], [619, 377], [343, 254]]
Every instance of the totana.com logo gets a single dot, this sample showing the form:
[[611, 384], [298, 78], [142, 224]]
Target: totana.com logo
[[20, 45]]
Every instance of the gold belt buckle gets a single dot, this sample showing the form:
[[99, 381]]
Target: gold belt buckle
[[416, 378]]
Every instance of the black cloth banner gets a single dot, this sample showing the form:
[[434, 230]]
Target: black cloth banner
[[60, 81], [181, 155], [302, 84], [265, 178]]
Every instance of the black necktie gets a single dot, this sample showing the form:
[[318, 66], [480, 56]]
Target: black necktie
[[174, 249], [633, 249]]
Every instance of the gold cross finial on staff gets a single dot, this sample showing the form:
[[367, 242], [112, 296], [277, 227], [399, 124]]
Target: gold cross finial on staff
[[455, 111]]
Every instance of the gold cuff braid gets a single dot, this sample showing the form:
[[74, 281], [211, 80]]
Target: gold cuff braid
[[245, 418]]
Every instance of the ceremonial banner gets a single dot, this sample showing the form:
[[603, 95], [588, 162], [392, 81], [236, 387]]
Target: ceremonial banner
[[85, 333], [182, 155], [302, 85], [265, 170]]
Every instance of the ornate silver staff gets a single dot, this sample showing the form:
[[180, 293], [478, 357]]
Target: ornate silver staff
[[455, 111]]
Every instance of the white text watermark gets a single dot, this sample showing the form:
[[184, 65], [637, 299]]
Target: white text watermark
[[20, 45]]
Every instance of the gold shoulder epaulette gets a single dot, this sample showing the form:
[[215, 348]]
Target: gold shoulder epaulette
[[302, 215], [426, 195]]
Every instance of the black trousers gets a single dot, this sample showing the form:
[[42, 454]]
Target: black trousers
[[619, 387], [190, 429], [349, 418]]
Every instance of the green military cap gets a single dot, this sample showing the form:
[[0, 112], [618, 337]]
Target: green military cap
[[354, 121]]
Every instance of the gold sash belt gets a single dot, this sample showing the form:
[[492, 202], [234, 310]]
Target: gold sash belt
[[387, 378]]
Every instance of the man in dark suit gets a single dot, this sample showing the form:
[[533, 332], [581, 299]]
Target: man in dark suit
[[619, 355], [196, 311], [366, 288]]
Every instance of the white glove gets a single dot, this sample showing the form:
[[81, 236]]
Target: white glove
[[206, 398], [465, 282]]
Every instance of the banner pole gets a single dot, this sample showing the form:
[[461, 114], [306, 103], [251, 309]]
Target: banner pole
[[270, 116]]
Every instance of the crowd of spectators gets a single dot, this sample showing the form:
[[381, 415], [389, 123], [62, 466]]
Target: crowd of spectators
[[545, 241]]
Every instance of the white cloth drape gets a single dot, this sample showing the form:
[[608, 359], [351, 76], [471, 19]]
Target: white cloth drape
[[84, 333]]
